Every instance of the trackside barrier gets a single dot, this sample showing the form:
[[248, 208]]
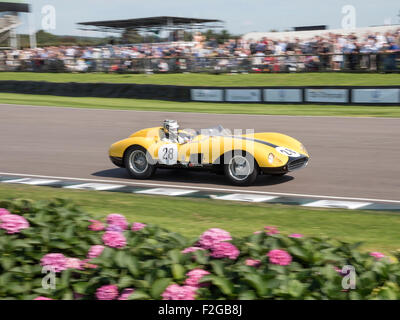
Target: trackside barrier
[[334, 95]]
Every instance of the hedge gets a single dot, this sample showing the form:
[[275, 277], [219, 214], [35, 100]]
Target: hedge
[[116, 259]]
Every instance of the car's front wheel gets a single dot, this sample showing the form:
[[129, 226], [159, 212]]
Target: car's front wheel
[[139, 163], [241, 169]]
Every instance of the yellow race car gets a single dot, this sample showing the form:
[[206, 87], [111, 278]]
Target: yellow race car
[[241, 157]]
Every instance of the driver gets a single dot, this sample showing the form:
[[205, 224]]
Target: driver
[[172, 133]]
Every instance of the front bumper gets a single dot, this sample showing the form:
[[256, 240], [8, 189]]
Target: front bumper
[[117, 161], [292, 165]]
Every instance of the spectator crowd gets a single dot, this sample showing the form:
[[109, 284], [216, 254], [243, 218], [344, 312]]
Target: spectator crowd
[[374, 52]]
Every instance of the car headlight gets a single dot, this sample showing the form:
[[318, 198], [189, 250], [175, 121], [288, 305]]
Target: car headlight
[[303, 149], [271, 158]]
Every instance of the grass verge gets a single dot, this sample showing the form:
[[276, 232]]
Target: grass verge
[[378, 230], [221, 108], [194, 79]]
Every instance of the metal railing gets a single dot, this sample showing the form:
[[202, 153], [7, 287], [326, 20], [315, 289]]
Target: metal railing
[[363, 62]]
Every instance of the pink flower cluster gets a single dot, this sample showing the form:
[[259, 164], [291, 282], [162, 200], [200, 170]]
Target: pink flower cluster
[[4, 212], [137, 226], [114, 239], [213, 236], [253, 263], [59, 262], [377, 255], [42, 298], [194, 276], [12, 223], [126, 293], [55, 260], [96, 225], [95, 251], [225, 250], [271, 230], [118, 220], [280, 257], [110, 292], [177, 292]]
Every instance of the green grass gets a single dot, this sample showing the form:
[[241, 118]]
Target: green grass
[[224, 108], [306, 79], [378, 230]]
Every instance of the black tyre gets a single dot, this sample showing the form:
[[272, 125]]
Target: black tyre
[[139, 163], [240, 168]]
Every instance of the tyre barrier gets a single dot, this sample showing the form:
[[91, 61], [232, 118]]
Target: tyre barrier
[[329, 95]]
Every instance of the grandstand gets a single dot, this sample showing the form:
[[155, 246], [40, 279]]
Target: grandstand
[[9, 21], [304, 35]]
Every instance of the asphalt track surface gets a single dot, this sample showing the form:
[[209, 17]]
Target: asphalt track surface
[[350, 157]]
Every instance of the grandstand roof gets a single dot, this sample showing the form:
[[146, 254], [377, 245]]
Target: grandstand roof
[[14, 6], [151, 22]]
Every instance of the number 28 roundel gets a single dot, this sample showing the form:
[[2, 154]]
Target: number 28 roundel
[[168, 154]]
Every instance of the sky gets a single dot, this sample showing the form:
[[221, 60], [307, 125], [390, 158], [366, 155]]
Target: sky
[[240, 16]]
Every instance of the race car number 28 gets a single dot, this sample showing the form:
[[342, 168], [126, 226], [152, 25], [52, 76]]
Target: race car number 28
[[168, 154], [288, 152]]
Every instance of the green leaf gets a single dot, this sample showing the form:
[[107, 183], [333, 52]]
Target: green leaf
[[223, 284], [257, 283], [178, 271], [80, 287], [132, 264], [139, 295], [125, 281], [218, 267], [295, 288], [159, 287], [247, 295]]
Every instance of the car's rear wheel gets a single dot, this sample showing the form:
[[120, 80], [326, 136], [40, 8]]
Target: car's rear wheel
[[139, 163], [240, 168]]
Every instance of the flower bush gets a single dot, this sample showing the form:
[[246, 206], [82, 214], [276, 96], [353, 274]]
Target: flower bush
[[118, 260]]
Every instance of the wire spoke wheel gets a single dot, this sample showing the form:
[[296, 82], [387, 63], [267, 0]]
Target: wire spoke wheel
[[138, 162]]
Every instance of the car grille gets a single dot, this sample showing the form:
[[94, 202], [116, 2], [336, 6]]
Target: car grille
[[297, 164]]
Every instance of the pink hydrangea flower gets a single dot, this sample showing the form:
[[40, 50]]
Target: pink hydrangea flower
[[42, 298], [296, 235], [213, 236], [280, 257], [4, 212], [377, 255], [74, 263], [114, 227], [225, 250], [195, 276], [96, 225], [114, 239], [95, 251], [137, 226], [119, 220], [13, 223], [177, 292], [253, 263], [55, 260], [191, 249], [126, 293], [270, 230], [109, 292]]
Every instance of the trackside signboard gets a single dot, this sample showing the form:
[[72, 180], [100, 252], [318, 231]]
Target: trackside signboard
[[283, 95], [327, 95], [207, 94], [243, 95], [376, 96]]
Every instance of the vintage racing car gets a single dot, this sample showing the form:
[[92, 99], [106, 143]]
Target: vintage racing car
[[241, 157]]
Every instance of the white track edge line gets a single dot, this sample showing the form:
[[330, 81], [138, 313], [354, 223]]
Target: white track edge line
[[202, 188]]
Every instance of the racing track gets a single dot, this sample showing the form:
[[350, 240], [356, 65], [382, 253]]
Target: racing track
[[350, 157]]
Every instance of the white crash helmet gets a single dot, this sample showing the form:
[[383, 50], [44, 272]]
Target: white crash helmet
[[171, 128]]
